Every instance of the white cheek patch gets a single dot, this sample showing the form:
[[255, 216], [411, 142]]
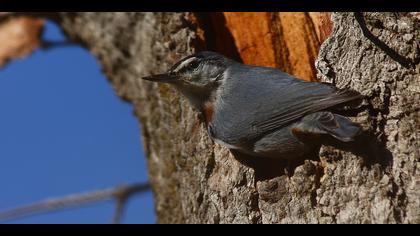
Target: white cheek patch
[[184, 63]]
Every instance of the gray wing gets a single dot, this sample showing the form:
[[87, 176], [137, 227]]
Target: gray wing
[[265, 99]]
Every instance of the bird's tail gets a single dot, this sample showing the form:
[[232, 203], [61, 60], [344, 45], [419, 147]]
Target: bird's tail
[[340, 127]]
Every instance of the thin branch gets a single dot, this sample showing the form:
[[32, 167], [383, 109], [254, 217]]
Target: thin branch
[[120, 193], [119, 211], [47, 45], [405, 62]]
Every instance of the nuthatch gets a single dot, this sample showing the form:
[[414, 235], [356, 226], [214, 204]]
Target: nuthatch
[[261, 111]]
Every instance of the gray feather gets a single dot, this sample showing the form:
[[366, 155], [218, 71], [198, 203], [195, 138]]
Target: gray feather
[[278, 101], [338, 126]]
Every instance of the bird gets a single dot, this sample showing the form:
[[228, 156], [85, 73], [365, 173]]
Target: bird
[[261, 111]]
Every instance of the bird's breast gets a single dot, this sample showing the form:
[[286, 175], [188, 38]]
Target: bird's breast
[[208, 112]]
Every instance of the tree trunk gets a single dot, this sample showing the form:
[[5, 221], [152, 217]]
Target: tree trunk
[[197, 181]]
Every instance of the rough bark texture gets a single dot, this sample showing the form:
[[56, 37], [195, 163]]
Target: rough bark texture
[[377, 54], [197, 181]]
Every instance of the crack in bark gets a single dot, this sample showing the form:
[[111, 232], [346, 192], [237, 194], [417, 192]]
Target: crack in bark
[[319, 173]]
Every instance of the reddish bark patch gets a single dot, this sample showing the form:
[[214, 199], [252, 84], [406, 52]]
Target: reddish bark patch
[[289, 41]]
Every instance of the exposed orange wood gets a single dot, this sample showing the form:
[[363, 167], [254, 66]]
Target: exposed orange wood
[[287, 40], [252, 35]]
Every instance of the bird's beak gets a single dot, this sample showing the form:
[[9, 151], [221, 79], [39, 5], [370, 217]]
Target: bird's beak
[[163, 78]]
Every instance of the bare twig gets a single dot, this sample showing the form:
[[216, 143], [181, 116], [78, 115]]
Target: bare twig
[[47, 45], [119, 211], [406, 62], [120, 193]]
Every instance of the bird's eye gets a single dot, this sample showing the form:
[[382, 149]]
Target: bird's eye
[[193, 65]]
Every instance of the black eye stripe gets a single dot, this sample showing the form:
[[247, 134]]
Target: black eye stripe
[[176, 65], [185, 67], [194, 64], [190, 66]]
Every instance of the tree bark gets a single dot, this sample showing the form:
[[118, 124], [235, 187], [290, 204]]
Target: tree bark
[[197, 181]]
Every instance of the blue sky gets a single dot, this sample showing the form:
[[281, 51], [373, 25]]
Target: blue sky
[[63, 131]]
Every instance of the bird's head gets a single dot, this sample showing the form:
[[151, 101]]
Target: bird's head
[[197, 76]]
